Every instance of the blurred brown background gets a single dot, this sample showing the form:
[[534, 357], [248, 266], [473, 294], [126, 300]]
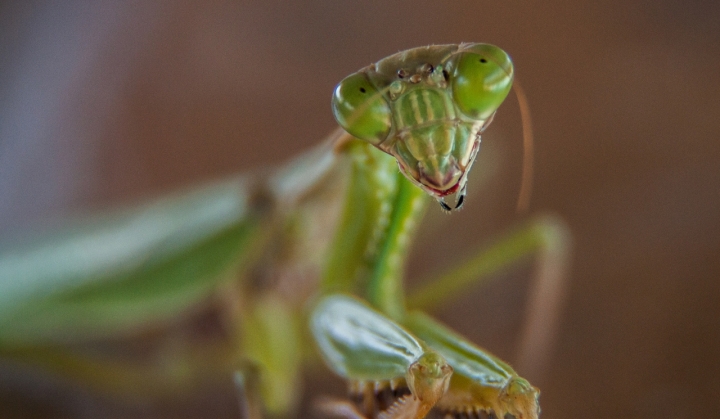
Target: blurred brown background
[[105, 102]]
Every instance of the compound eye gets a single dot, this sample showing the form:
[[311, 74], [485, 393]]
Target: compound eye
[[361, 110], [481, 80]]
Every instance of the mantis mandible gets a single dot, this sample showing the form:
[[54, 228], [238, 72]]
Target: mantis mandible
[[255, 249]]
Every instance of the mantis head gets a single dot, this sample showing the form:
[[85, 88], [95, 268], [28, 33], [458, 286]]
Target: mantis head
[[426, 107]]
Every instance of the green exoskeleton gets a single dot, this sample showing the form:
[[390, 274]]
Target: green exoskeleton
[[378, 356], [426, 107], [394, 374], [482, 384], [249, 253]]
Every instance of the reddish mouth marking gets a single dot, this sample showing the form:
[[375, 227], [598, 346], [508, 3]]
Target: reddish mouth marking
[[446, 192], [437, 192]]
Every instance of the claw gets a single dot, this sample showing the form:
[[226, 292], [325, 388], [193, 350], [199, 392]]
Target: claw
[[460, 202], [444, 206], [461, 195]]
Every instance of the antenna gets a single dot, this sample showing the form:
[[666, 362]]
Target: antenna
[[528, 141]]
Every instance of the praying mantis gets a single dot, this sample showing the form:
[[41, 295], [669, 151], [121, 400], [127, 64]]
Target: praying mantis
[[269, 254]]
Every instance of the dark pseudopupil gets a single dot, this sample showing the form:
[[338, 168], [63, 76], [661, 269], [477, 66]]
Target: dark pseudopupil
[[482, 60], [362, 89]]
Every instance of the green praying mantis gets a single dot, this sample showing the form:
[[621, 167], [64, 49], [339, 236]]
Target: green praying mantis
[[265, 255]]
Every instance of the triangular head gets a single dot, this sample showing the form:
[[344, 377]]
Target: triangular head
[[427, 107]]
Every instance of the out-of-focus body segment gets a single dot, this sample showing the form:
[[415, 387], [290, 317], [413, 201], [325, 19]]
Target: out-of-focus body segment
[[366, 347], [482, 383]]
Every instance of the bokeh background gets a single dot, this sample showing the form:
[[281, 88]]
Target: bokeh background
[[105, 102]]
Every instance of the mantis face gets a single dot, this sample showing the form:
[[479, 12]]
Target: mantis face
[[426, 107]]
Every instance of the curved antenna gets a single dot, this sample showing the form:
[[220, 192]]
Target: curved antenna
[[528, 141]]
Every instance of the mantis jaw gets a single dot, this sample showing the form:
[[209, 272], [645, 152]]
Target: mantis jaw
[[440, 181]]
